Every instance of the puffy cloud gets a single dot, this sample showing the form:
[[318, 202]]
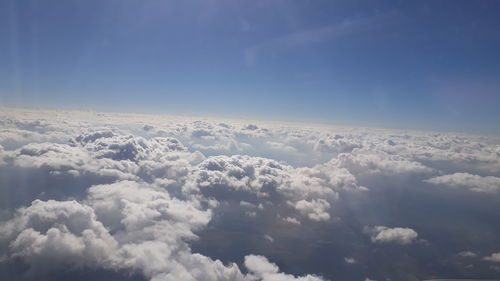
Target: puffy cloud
[[131, 207], [310, 191], [291, 220], [458, 152], [157, 261], [63, 158], [373, 162], [315, 210], [248, 205], [2, 156], [260, 265], [66, 232], [495, 257], [349, 260], [383, 234], [240, 172], [281, 146], [124, 225], [468, 181], [336, 144], [106, 154], [17, 129], [142, 229], [127, 147], [168, 179], [254, 131], [261, 269], [467, 254]]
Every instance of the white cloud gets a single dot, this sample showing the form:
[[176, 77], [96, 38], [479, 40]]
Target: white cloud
[[495, 257], [399, 235], [169, 177], [2, 156], [124, 225], [291, 220], [368, 162], [468, 181], [315, 210], [239, 172], [467, 254], [108, 154], [261, 269], [66, 231], [281, 146], [260, 265], [150, 230], [336, 144], [310, 191], [269, 238], [350, 260]]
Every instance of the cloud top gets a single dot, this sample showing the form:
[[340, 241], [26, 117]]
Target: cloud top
[[181, 198], [384, 234]]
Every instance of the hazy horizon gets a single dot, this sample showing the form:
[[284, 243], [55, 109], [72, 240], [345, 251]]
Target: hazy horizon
[[324, 123], [429, 64]]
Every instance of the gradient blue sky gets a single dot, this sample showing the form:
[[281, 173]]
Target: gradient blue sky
[[405, 64]]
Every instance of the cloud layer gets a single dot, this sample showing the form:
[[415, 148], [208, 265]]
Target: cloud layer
[[178, 198]]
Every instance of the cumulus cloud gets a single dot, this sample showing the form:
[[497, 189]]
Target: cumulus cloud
[[315, 210], [291, 220], [468, 181], [55, 234], [124, 225], [2, 156], [458, 152], [467, 254], [154, 186], [142, 229], [310, 191], [350, 260], [239, 172], [384, 234], [495, 257], [108, 154], [373, 162], [261, 269]]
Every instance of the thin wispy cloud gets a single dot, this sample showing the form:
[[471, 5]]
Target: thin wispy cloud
[[317, 35]]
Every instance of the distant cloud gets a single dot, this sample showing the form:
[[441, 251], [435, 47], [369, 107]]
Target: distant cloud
[[269, 238], [467, 254], [399, 235], [495, 257], [468, 181], [368, 163], [349, 260], [291, 220], [261, 268]]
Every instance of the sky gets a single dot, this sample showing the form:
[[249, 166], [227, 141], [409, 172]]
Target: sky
[[430, 65]]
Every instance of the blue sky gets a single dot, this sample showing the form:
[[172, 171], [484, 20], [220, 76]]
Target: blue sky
[[404, 64]]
